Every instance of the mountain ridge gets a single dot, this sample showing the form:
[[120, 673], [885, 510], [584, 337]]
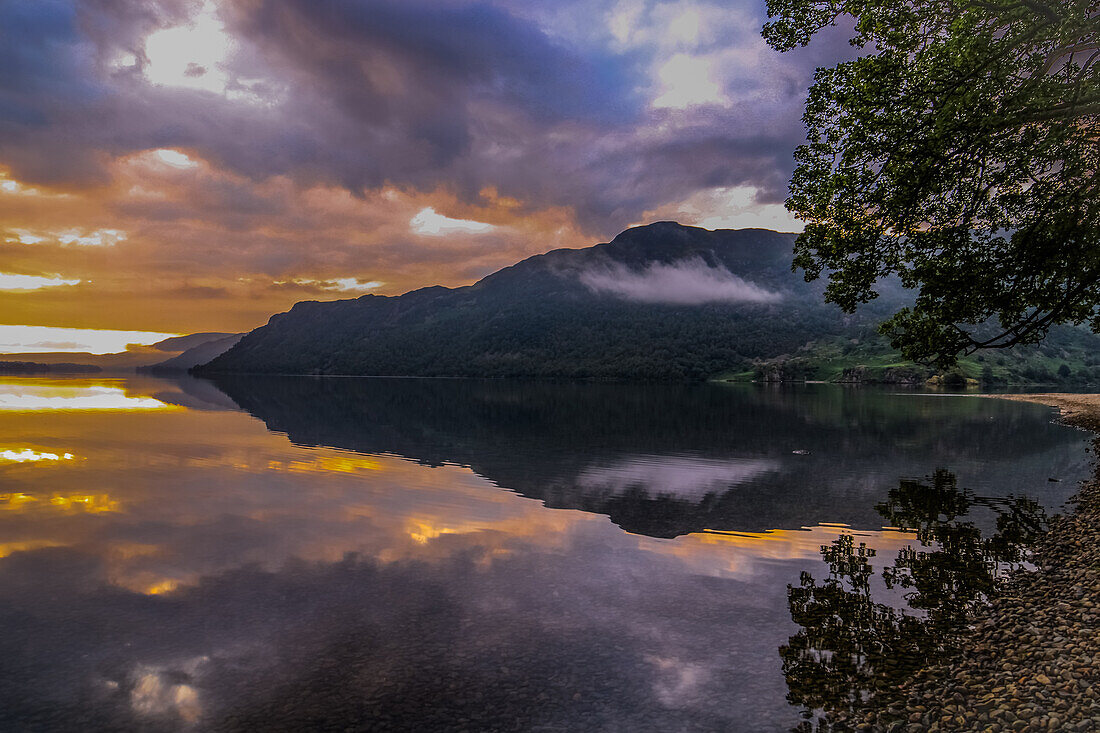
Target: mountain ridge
[[660, 302], [574, 313]]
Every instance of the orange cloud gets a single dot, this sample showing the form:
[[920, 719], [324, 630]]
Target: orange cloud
[[174, 243]]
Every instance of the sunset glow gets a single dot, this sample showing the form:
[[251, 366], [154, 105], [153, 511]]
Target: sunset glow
[[547, 365], [48, 339], [213, 163]]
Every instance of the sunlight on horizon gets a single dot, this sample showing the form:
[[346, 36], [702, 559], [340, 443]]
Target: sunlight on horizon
[[50, 340]]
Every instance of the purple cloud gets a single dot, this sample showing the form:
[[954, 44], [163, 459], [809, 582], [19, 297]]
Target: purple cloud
[[458, 94]]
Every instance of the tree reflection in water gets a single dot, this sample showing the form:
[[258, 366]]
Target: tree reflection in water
[[851, 647]]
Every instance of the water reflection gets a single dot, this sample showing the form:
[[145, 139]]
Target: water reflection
[[851, 646], [666, 461], [451, 555], [38, 397], [31, 455], [95, 503]]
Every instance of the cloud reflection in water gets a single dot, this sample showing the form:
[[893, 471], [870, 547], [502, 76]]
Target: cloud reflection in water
[[245, 582], [27, 398]]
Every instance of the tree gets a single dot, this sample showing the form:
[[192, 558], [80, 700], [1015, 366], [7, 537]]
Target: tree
[[959, 153]]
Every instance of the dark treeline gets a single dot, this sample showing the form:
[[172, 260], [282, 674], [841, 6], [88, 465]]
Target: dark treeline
[[31, 367]]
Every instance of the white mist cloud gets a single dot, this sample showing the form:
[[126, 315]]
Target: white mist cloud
[[687, 282]]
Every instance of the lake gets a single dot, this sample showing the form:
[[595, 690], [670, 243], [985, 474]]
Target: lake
[[386, 554]]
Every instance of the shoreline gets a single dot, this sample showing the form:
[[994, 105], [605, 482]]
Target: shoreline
[[1031, 659], [1078, 410]]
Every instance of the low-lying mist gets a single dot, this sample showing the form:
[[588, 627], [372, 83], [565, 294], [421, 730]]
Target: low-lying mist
[[687, 282]]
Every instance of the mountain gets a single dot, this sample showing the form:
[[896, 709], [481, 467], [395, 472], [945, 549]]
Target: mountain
[[201, 352], [662, 302], [658, 302], [180, 344]]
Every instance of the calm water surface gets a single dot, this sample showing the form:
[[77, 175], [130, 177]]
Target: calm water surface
[[357, 554]]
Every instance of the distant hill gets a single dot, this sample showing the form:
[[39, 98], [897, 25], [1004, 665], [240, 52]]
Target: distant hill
[[31, 367], [202, 352], [190, 341], [133, 358], [659, 302]]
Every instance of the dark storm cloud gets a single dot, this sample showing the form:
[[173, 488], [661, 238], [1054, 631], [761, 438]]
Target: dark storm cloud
[[406, 92], [463, 95], [41, 55], [368, 92], [58, 108], [308, 138], [697, 159], [440, 53]]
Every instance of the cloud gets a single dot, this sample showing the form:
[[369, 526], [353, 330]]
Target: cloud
[[174, 158], [727, 207], [303, 138], [9, 281], [415, 93], [340, 284], [49, 346], [687, 282], [70, 237], [31, 455], [191, 54], [428, 221], [688, 81]]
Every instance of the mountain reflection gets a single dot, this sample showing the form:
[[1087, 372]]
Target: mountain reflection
[[665, 460], [852, 647], [395, 564]]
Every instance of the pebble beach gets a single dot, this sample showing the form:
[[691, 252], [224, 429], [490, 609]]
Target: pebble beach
[[1031, 659]]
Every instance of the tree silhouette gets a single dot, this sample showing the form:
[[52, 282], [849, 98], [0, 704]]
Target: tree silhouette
[[960, 153]]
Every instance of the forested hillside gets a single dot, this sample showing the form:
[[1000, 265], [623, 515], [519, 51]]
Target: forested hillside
[[660, 302]]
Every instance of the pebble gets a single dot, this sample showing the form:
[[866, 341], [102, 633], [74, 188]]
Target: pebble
[[1031, 659]]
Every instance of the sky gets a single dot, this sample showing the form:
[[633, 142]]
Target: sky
[[175, 166]]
